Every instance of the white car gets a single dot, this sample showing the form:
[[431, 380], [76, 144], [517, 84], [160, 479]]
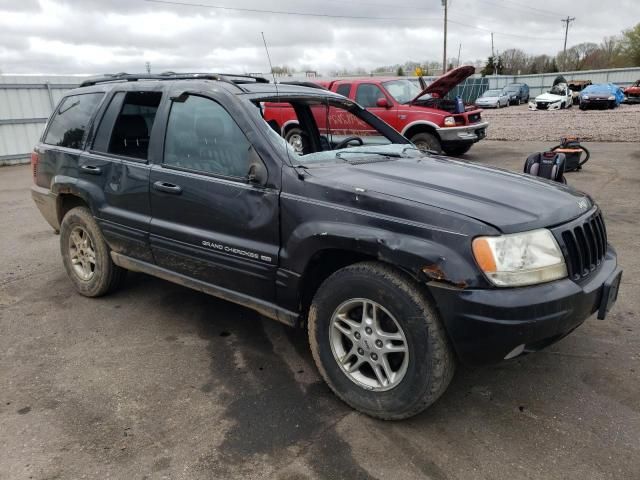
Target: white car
[[557, 98], [493, 99]]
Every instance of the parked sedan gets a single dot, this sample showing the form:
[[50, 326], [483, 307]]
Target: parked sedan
[[493, 99], [601, 95]]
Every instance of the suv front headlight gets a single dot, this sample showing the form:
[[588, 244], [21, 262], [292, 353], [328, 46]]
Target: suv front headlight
[[520, 259], [449, 122]]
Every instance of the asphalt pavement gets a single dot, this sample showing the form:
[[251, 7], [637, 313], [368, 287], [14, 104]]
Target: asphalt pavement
[[157, 381]]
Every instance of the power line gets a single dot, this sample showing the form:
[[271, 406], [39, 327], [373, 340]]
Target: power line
[[285, 12], [327, 15], [521, 8]]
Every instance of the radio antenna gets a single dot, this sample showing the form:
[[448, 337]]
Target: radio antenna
[[269, 59], [273, 75]]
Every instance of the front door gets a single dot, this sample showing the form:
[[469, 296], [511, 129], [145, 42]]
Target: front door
[[209, 222], [368, 94]]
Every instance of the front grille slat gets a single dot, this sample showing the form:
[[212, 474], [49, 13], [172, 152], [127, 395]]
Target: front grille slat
[[585, 245]]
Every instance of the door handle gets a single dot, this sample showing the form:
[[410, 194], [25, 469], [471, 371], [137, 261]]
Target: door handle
[[167, 187], [91, 169]]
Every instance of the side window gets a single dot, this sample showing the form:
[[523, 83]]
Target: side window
[[71, 121], [132, 128], [344, 89], [368, 94], [202, 136]]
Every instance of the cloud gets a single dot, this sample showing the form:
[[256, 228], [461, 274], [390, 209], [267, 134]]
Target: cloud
[[95, 36]]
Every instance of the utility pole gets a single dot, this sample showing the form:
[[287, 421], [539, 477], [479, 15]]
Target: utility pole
[[147, 66], [444, 52], [459, 50], [493, 57], [566, 21]]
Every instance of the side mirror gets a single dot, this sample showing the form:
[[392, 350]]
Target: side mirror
[[383, 103], [257, 174]]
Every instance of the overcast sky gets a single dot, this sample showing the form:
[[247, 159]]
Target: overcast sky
[[96, 36]]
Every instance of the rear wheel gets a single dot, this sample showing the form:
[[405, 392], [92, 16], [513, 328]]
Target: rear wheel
[[427, 142], [378, 342], [86, 255]]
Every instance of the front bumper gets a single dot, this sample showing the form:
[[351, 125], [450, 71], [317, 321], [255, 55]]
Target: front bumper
[[468, 133], [632, 99], [596, 103], [485, 326], [545, 106], [47, 203]]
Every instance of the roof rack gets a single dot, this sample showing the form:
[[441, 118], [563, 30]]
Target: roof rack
[[231, 78]]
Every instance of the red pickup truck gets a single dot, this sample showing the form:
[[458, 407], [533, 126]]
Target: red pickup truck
[[424, 116]]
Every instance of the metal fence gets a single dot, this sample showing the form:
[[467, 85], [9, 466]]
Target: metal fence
[[540, 83], [26, 101]]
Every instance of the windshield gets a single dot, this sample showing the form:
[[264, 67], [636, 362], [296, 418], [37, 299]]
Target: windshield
[[316, 130], [492, 93], [512, 88], [559, 89], [403, 91], [597, 89]]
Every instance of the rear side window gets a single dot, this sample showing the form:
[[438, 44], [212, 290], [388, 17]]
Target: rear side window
[[129, 118], [344, 89], [69, 124]]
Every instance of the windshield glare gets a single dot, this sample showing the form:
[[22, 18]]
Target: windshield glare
[[557, 90], [403, 91], [491, 93]]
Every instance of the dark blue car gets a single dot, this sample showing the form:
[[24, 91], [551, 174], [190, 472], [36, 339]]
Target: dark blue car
[[601, 95]]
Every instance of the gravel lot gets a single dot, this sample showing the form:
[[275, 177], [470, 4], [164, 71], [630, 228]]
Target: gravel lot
[[159, 382], [519, 123]]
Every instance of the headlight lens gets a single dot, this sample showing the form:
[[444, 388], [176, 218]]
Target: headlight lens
[[449, 122], [520, 259]]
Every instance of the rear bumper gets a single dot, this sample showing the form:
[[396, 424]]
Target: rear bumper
[[47, 203], [485, 326], [467, 134]]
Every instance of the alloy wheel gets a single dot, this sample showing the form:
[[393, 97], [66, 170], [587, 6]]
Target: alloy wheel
[[368, 344], [82, 253]]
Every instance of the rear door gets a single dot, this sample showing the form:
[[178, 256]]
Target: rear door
[[209, 222], [122, 142]]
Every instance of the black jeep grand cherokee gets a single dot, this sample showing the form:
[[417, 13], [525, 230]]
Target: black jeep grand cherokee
[[399, 262]]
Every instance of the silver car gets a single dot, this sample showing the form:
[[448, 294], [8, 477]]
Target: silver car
[[493, 99]]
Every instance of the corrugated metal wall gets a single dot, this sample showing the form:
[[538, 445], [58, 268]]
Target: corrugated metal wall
[[26, 101], [623, 77]]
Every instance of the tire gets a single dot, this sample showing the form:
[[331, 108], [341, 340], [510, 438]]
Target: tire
[[294, 137], [427, 141], [457, 150], [421, 374], [80, 241]]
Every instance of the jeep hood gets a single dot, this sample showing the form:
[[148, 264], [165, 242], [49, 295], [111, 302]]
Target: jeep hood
[[443, 85], [509, 201]]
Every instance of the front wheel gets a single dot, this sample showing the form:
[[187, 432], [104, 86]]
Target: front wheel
[[378, 342], [427, 142], [295, 139], [457, 149], [86, 255]]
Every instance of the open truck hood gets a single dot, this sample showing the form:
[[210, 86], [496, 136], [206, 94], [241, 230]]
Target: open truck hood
[[444, 84]]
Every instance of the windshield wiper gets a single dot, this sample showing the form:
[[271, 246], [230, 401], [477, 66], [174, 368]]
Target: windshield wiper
[[384, 154]]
